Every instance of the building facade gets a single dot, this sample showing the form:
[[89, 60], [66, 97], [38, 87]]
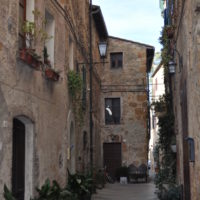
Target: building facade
[[40, 133], [44, 130], [157, 91], [185, 48], [124, 104]]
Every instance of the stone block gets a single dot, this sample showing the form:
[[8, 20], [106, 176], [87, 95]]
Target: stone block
[[142, 98]]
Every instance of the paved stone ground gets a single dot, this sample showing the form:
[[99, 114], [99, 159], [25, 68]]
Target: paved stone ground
[[117, 191]]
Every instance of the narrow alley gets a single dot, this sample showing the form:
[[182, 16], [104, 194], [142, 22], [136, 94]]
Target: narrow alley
[[98, 91], [117, 191]]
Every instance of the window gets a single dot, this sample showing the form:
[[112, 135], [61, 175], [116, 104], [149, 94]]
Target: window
[[25, 13], [112, 110], [116, 60], [50, 30], [22, 18]]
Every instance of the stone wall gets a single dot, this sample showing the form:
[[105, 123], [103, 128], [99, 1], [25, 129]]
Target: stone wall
[[187, 80], [27, 95], [129, 84]]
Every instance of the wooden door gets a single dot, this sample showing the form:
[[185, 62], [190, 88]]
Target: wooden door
[[18, 162], [186, 166], [112, 157]]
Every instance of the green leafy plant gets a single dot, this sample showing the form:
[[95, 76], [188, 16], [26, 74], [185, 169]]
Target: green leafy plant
[[74, 84], [159, 105], [8, 194], [81, 186], [28, 29], [167, 160], [156, 153], [47, 191], [33, 32], [52, 192]]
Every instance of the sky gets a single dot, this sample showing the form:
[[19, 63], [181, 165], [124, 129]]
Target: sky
[[136, 20]]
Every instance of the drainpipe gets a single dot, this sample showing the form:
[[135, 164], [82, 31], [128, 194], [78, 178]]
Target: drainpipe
[[148, 107], [91, 72]]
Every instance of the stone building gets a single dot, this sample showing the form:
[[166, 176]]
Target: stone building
[[124, 103], [185, 48], [43, 130], [157, 91], [40, 135]]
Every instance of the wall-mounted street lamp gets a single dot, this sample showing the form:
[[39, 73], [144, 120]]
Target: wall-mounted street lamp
[[172, 64], [102, 49]]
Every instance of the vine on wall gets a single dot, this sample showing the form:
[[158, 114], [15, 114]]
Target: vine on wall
[[75, 85], [165, 179]]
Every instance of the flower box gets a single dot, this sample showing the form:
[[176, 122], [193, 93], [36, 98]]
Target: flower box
[[170, 32], [51, 74], [28, 57]]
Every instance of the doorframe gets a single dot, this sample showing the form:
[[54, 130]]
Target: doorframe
[[29, 155], [112, 143]]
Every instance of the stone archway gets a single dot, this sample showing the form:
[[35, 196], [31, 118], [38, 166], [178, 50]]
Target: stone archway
[[22, 162]]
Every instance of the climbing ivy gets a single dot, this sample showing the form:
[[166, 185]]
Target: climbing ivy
[[74, 83], [75, 86], [166, 158], [165, 179]]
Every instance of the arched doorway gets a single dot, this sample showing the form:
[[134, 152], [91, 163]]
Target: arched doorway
[[22, 158], [72, 149]]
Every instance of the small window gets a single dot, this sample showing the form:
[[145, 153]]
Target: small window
[[116, 60], [50, 30], [112, 110], [22, 18], [25, 14]]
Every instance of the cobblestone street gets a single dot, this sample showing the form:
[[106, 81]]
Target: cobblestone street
[[143, 191]]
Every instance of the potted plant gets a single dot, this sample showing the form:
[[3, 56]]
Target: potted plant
[[170, 31], [28, 54], [51, 74]]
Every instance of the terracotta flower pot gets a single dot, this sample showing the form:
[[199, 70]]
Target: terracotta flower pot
[[22, 54], [35, 63], [170, 32], [51, 74]]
